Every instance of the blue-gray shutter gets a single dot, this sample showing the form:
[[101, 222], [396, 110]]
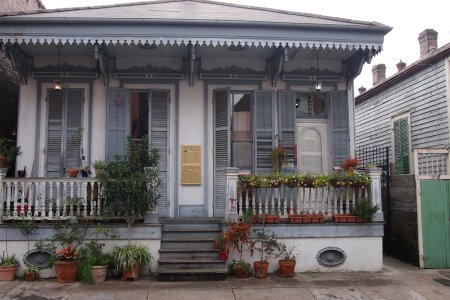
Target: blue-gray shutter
[[264, 131], [118, 122], [341, 138], [286, 128], [159, 138], [73, 124], [221, 149], [54, 151], [401, 143]]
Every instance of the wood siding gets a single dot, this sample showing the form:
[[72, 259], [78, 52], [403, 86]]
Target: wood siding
[[423, 94]]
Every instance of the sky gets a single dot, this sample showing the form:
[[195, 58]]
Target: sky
[[408, 19]]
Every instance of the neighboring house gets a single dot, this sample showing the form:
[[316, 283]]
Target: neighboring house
[[410, 109], [214, 85], [9, 78], [409, 113]]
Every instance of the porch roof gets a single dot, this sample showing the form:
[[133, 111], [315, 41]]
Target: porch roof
[[180, 22]]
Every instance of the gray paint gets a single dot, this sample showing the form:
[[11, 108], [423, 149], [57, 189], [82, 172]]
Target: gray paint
[[423, 95], [191, 210]]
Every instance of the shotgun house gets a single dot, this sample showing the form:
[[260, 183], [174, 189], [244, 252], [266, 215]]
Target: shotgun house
[[214, 85]]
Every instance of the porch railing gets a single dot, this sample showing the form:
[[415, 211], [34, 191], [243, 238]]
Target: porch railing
[[46, 198]]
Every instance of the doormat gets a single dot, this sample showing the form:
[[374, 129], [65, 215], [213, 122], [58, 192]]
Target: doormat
[[443, 281]]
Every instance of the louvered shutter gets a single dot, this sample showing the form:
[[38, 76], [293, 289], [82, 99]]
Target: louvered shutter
[[159, 138], [286, 128], [73, 128], [54, 167], [341, 138], [264, 131], [221, 149], [118, 122], [401, 141]]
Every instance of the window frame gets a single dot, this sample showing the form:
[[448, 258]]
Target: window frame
[[396, 118]]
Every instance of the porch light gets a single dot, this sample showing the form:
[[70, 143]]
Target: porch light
[[297, 102], [317, 85], [317, 82], [57, 84]]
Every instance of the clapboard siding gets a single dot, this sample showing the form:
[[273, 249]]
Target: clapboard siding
[[423, 95]]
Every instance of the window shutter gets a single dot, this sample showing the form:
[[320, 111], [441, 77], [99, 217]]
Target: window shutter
[[401, 141], [73, 126], [264, 132], [286, 128], [159, 138], [54, 133], [118, 122], [221, 149], [341, 139]]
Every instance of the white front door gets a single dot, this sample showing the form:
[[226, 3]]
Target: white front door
[[313, 149]]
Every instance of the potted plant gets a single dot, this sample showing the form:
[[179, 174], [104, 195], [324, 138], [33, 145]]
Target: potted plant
[[72, 172], [99, 167], [350, 164], [128, 260], [220, 245], [8, 152], [364, 209], [287, 261], [238, 235], [30, 273], [266, 244], [8, 267], [66, 262], [94, 262]]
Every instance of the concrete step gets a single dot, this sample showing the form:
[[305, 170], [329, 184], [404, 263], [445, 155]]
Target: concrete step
[[191, 274], [188, 253], [187, 243], [190, 234], [191, 263]]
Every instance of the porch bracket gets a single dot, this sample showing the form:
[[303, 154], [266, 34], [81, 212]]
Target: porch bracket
[[191, 64], [280, 57], [232, 175], [18, 58], [101, 55], [375, 192], [354, 65]]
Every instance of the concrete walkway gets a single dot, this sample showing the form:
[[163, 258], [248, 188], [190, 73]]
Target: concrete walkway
[[396, 281]]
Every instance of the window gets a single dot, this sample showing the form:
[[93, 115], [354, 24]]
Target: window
[[401, 147], [310, 151], [139, 114], [241, 131]]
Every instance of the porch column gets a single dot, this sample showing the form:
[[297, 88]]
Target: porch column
[[375, 191], [231, 175], [2, 201]]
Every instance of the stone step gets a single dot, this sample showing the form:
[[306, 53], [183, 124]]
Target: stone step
[[190, 234], [188, 253], [191, 274], [187, 243], [189, 263]]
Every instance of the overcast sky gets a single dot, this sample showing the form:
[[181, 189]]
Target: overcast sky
[[408, 19]]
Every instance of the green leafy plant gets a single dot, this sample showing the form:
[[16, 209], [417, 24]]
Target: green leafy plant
[[241, 264], [364, 209], [92, 255], [27, 228], [130, 256], [129, 188], [286, 251], [99, 164], [265, 243], [8, 260], [31, 269], [9, 150]]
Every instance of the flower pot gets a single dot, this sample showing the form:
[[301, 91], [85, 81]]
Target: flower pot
[[266, 218], [305, 218], [30, 276], [131, 273], [99, 172], [99, 273], [287, 268], [238, 272], [2, 161], [223, 255], [72, 173], [21, 173], [7, 273], [346, 218], [66, 271], [261, 268]]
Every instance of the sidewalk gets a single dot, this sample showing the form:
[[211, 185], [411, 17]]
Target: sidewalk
[[396, 281]]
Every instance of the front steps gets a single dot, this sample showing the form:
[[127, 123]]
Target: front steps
[[187, 253]]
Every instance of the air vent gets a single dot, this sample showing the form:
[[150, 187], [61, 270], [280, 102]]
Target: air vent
[[331, 257]]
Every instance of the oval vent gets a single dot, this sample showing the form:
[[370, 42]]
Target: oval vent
[[331, 257], [37, 258]]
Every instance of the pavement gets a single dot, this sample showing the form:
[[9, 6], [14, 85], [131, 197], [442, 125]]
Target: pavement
[[396, 281]]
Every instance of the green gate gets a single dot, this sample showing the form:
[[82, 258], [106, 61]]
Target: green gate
[[435, 198]]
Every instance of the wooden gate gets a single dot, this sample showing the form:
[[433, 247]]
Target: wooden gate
[[431, 168]]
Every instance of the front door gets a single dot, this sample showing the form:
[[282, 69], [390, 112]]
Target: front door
[[313, 147]]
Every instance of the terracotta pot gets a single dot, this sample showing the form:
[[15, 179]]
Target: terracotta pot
[[31, 276], [132, 273], [72, 172], [266, 218], [223, 255], [287, 268], [66, 271], [7, 273], [346, 218], [238, 272], [306, 218], [99, 172], [99, 273], [261, 268], [2, 161]]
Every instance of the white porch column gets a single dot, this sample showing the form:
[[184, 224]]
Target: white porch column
[[231, 175], [2, 201], [375, 191]]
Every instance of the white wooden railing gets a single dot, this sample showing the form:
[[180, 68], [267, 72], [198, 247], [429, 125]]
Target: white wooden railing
[[47, 198]]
